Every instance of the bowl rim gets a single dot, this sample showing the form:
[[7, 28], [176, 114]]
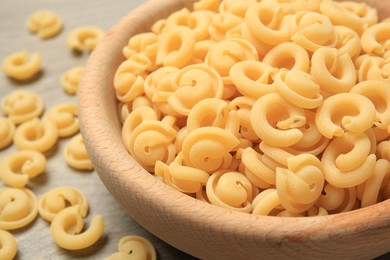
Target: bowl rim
[[108, 155]]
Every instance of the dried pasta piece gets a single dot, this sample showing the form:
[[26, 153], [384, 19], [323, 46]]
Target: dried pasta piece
[[253, 79], [288, 55], [347, 161], [379, 94], [67, 229], [348, 41], [176, 47], [314, 211], [373, 184], [70, 80], [139, 43], [76, 155], [299, 88], [237, 8], [383, 150], [221, 23], [276, 121], [21, 65], [207, 5], [376, 39], [192, 84], [314, 30], [84, 38], [36, 134], [300, 185], [345, 112], [231, 190], [45, 23], [8, 246], [18, 167], [243, 105], [7, 130], [65, 116], [268, 22], [208, 148], [265, 202], [336, 200], [373, 68], [334, 71], [57, 199], [22, 105], [152, 141], [18, 208], [134, 247]]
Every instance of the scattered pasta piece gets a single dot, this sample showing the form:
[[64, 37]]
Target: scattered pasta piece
[[8, 246], [76, 155], [134, 247], [84, 38], [45, 23], [67, 232], [57, 199], [70, 80], [18, 208], [22, 65], [18, 167], [22, 105], [7, 130], [36, 134], [65, 117]]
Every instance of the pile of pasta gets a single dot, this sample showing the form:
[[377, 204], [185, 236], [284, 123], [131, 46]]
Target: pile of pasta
[[269, 107]]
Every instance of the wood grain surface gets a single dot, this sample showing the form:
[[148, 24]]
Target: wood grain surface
[[34, 241]]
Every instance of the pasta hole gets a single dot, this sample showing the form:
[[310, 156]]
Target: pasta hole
[[130, 252], [147, 149]]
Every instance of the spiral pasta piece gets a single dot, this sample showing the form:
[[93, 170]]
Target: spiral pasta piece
[[334, 71], [348, 41], [230, 190], [45, 23], [300, 186], [18, 167], [376, 39], [373, 184], [276, 121], [373, 68], [65, 116], [139, 43], [379, 94], [84, 38], [7, 130], [208, 148], [21, 65], [268, 22], [243, 105], [57, 199], [66, 229], [134, 247], [253, 79], [152, 141], [314, 31], [345, 111], [346, 161], [18, 208], [288, 55], [21, 106], [265, 202], [70, 79], [36, 134], [193, 84], [8, 246], [76, 155], [337, 200], [220, 25], [299, 88]]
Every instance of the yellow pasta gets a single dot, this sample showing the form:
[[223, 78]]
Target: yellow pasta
[[18, 167], [36, 134], [265, 202], [45, 23], [57, 199], [134, 247], [8, 246], [348, 41], [21, 65], [7, 130], [22, 105], [18, 207], [84, 38], [67, 232], [140, 43], [375, 40], [208, 5], [220, 24], [65, 116], [76, 155], [70, 80], [372, 68], [337, 200]]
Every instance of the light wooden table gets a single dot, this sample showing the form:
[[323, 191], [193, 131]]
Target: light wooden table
[[34, 241]]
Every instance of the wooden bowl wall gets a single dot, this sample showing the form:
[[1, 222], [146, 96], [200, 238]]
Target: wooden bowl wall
[[200, 229]]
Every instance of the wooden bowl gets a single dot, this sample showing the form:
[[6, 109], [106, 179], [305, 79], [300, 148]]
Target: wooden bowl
[[197, 228]]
